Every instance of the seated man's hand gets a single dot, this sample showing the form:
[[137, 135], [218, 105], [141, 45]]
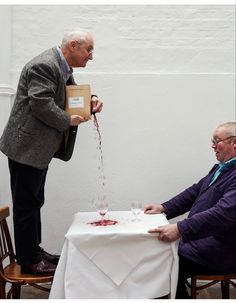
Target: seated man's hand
[[96, 105], [153, 209], [167, 233]]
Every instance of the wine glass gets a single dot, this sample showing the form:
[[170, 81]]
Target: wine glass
[[102, 208], [136, 208]]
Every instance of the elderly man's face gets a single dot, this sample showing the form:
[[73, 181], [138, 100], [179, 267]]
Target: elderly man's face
[[81, 53], [223, 145]]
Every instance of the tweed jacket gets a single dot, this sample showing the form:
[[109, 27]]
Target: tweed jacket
[[208, 235], [37, 122]]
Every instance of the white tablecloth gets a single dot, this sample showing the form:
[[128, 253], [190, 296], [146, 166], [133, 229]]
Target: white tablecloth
[[117, 261]]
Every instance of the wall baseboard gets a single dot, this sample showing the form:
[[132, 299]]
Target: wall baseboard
[[6, 90]]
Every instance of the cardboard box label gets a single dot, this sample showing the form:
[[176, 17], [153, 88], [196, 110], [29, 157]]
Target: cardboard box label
[[76, 102]]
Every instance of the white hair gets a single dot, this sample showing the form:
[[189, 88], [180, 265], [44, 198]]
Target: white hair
[[78, 34], [230, 128]]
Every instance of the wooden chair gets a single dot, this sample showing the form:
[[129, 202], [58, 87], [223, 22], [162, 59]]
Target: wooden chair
[[10, 271], [225, 281]]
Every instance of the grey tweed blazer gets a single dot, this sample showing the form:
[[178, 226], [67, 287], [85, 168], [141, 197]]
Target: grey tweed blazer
[[37, 122]]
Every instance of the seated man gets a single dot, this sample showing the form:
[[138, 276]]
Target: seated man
[[208, 235]]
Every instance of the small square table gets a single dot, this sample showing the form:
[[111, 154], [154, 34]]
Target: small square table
[[121, 261]]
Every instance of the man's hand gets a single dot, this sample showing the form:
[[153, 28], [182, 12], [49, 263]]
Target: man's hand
[[153, 209], [167, 233], [96, 105], [76, 120]]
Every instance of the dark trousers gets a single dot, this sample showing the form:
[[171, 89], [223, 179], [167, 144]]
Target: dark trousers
[[187, 269], [27, 187]]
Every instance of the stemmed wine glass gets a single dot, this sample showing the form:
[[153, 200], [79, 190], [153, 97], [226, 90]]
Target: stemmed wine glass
[[102, 208], [136, 208]]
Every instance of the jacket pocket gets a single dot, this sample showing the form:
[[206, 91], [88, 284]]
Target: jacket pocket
[[218, 189], [28, 131]]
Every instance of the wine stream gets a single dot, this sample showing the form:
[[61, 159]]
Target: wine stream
[[101, 194], [101, 176]]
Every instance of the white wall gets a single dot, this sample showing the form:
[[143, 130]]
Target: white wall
[[166, 76]]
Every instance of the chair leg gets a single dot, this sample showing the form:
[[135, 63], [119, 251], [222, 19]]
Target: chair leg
[[225, 289], [2, 289], [16, 292], [193, 288]]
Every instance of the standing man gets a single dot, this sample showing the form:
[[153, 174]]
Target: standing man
[[38, 130], [208, 235]]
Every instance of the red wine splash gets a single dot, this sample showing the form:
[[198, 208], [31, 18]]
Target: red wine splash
[[103, 223]]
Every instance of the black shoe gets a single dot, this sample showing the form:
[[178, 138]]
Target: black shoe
[[41, 268], [49, 257]]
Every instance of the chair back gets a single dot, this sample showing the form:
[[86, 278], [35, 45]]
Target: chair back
[[6, 248], [10, 271]]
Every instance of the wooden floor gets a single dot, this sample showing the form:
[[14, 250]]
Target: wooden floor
[[210, 293], [215, 293]]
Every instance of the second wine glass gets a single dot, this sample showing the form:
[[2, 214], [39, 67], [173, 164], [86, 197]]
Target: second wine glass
[[136, 208]]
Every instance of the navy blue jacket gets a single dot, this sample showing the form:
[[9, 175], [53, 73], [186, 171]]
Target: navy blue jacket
[[208, 234]]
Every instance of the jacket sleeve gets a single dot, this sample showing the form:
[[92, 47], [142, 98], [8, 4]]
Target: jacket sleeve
[[43, 82], [214, 221]]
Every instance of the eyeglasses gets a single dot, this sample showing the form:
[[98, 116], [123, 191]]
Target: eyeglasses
[[89, 51], [215, 142]]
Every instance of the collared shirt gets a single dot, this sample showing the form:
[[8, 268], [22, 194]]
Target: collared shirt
[[67, 70], [222, 166]]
